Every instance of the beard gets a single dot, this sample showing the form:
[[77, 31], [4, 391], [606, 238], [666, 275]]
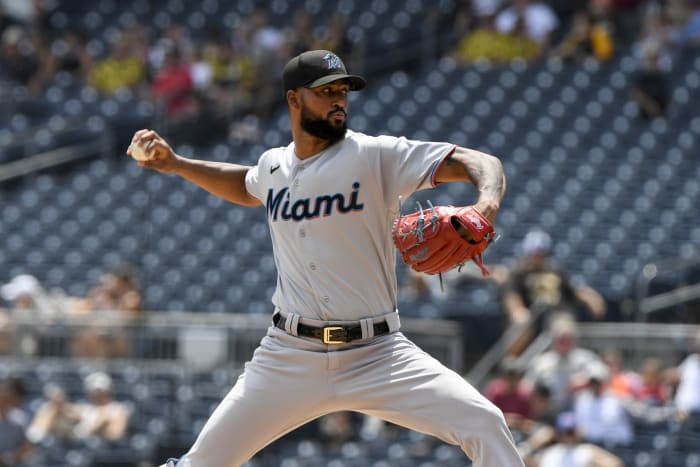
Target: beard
[[322, 127]]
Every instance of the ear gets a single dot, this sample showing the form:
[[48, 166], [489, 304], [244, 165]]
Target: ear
[[292, 99]]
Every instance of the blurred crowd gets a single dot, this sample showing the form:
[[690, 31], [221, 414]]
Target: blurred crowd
[[571, 399], [201, 87], [89, 419], [215, 83], [99, 319]]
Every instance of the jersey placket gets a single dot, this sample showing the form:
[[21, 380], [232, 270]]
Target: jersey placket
[[306, 241]]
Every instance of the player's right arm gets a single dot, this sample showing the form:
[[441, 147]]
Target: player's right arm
[[225, 180]]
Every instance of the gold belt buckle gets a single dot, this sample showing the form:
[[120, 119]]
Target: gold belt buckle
[[328, 337]]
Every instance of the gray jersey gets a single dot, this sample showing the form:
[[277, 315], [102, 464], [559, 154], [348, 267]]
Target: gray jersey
[[338, 207]]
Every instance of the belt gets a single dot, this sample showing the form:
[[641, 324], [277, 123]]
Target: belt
[[332, 334]]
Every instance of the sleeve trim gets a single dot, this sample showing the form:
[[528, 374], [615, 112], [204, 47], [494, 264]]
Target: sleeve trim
[[439, 163]]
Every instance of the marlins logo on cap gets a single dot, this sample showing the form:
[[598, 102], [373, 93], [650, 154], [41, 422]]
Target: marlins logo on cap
[[332, 61]]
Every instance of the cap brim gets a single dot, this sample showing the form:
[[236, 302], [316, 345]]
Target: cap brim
[[356, 82]]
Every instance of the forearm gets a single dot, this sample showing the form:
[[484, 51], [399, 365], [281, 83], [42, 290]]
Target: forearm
[[227, 181], [484, 171]]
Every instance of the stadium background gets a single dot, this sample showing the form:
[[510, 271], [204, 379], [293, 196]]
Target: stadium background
[[617, 192]]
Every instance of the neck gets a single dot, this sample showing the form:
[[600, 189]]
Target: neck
[[307, 145]]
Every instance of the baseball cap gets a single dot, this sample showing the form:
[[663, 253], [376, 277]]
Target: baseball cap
[[98, 382], [566, 422], [537, 242], [315, 68], [21, 285]]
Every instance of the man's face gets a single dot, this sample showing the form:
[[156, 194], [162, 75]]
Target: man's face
[[323, 110]]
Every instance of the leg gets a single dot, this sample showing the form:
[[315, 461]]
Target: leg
[[402, 384], [281, 389]]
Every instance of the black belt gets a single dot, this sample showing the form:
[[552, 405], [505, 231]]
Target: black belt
[[332, 334]]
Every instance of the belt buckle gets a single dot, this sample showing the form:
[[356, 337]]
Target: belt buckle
[[329, 338]]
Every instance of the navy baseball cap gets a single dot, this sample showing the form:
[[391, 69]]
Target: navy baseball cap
[[566, 422], [316, 68]]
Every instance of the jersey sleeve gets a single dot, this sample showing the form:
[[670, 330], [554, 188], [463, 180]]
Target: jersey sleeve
[[408, 165], [255, 181], [252, 182]]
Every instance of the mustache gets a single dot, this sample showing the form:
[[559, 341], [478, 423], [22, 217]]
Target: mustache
[[337, 109]]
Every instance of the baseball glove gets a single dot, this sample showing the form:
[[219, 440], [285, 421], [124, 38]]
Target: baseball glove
[[429, 240]]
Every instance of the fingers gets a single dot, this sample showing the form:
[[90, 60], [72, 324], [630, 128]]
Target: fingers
[[143, 135]]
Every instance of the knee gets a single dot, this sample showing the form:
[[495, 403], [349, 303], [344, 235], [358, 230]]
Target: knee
[[493, 418]]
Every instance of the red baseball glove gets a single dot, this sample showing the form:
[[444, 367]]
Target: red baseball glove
[[429, 240]]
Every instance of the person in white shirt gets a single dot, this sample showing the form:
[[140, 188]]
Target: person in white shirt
[[570, 451], [687, 376], [600, 415]]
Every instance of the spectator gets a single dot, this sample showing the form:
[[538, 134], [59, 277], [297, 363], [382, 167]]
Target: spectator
[[621, 382], [300, 37], [68, 53], [570, 451], [650, 87], [585, 39], [563, 368], [652, 388], [687, 379], [688, 34], [120, 69], [25, 294], [55, 419], [19, 59], [600, 415], [508, 391], [173, 90], [18, 397], [101, 416], [538, 19], [487, 43], [14, 446], [537, 431], [333, 37], [116, 299], [620, 17], [538, 283]]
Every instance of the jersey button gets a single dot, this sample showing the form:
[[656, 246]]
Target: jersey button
[[296, 183], [302, 233], [326, 298], [312, 266]]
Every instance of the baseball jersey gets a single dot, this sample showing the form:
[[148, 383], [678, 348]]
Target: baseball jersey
[[330, 219]]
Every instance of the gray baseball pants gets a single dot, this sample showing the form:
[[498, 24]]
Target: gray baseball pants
[[291, 381]]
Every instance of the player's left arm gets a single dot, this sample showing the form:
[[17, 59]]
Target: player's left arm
[[483, 170]]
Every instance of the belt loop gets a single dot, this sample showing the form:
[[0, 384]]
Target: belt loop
[[291, 323], [367, 326], [392, 319]]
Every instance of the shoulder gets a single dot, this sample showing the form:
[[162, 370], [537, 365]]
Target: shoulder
[[273, 155], [369, 141]]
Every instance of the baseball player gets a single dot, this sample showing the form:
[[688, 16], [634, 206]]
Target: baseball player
[[335, 342]]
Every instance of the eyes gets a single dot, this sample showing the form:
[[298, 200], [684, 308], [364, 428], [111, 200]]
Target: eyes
[[328, 91]]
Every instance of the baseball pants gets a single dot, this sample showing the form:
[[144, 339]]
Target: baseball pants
[[291, 381]]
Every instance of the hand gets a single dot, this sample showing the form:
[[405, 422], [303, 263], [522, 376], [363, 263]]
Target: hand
[[161, 156], [488, 208]]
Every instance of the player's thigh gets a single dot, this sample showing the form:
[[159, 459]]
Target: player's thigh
[[276, 393], [408, 387]]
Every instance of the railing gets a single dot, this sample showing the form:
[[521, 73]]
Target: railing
[[34, 160], [648, 305], [196, 341], [634, 341]]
